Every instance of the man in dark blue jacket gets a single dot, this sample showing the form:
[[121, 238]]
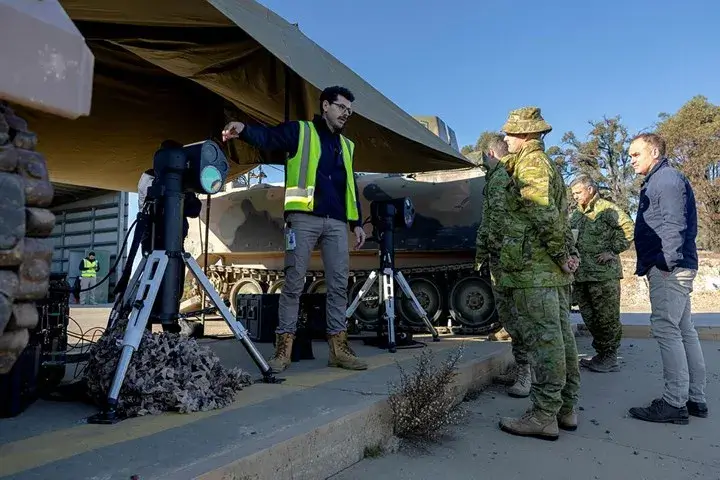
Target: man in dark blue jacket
[[665, 231], [321, 200]]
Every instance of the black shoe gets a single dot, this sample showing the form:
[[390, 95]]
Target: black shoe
[[660, 411], [697, 409]]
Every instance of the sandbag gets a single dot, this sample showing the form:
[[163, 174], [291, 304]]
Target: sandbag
[[12, 214], [12, 343], [24, 315], [34, 271], [4, 127], [38, 189], [8, 288], [15, 122], [6, 306], [24, 259], [39, 222], [8, 158]]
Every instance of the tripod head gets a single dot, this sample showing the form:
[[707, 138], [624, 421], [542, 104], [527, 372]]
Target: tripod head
[[385, 216], [199, 167]]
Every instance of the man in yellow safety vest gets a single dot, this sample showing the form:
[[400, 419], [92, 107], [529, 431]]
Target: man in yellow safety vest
[[321, 200], [88, 277]]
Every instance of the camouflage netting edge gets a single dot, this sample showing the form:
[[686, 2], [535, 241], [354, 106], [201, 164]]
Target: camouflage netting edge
[[25, 224], [168, 372]]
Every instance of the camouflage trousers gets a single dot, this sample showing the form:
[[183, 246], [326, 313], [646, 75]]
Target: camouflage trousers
[[507, 314], [544, 319], [599, 304]]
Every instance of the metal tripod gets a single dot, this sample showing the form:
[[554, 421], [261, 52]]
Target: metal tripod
[[147, 280], [387, 298]]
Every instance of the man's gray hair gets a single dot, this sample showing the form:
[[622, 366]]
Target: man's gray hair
[[584, 180], [498, 145]]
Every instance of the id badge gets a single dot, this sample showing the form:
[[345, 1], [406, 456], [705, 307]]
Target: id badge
[[289, 239]]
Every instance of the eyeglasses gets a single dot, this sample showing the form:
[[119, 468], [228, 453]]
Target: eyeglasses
[[343, 108]]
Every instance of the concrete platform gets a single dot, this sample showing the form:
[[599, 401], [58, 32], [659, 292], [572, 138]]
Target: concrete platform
[[608, 444], [313, 425]]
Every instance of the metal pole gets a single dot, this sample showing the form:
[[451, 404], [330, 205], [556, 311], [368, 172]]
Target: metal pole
[[205, 263]]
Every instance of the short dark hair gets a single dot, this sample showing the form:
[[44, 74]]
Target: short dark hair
[[497, 143], [652, 139], [331, 94], [584, 180]]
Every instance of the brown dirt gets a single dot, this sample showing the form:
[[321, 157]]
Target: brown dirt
[[705, 299]]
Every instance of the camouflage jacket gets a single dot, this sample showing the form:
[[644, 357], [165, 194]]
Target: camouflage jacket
[[601, 227], [537, 236], [494, 212]]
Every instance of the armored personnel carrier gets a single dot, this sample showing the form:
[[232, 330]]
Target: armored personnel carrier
[[436, 255]]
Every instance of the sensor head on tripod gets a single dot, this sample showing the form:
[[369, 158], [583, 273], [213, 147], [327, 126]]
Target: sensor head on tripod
[[395, 212], [202, 166]]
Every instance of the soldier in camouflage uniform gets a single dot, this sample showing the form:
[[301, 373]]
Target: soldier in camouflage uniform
[[537, 266], [489, 240], [604, 231]]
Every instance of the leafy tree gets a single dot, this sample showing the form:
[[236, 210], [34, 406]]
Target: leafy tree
[[692, 135], [466, 149], [604, 157]]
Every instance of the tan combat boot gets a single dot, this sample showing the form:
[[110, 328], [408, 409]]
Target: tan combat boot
[[567, 419], [500, 336], [521, 387], [532, 424], [283, 348], [341, 355], [509, 377]]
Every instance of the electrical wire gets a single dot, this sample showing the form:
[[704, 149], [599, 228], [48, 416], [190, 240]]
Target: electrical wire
[[84, 340], [110, 272]]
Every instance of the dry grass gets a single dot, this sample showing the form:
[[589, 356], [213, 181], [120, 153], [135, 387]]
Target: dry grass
[[424, 402]]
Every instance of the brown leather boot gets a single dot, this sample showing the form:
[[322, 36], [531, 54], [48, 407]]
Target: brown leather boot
[[341, 355], [283, 348]]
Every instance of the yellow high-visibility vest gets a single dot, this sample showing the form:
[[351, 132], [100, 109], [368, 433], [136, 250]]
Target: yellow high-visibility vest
[[301, 172], [91, 265]]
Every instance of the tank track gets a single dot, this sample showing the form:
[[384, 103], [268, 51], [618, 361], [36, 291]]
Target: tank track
[[224, 276]]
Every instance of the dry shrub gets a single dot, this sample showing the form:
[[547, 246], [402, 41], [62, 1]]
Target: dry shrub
[[424, 402]]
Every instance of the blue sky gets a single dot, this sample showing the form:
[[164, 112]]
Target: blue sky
[[470, 62]]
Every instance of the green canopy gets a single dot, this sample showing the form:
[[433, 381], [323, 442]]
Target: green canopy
[[181, 69]]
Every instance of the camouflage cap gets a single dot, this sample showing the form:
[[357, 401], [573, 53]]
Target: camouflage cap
[[526, 120]]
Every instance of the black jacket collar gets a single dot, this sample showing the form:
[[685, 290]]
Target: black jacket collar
[[322, 126]]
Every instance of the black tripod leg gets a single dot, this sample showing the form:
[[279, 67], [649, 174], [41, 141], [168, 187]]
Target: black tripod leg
[[418, 308], [237, 328], [122, 301], [388, 298], [363, 290], [147, 292]]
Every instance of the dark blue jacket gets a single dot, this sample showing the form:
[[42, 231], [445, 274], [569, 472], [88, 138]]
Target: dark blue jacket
[[330, 181], [666, 224]]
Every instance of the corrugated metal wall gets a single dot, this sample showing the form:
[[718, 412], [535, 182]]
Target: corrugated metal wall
[[98, 224]]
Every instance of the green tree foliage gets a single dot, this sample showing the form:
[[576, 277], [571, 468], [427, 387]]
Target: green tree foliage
[[692, 135], [466, 149], [603, 155], [482, 141]]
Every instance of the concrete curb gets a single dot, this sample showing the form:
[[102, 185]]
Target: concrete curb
[[643, 331], [335, 446]]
